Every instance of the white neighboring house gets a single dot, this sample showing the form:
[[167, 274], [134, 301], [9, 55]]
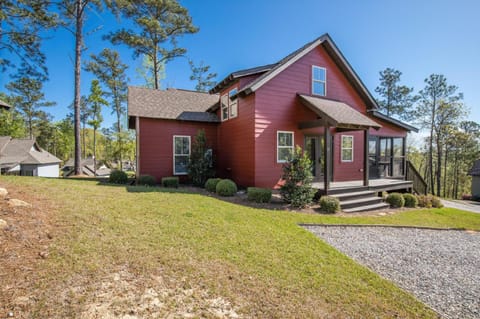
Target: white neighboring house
[[24, 157]]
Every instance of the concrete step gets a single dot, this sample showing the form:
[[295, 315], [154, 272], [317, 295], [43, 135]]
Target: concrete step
[[352, 195], [358, 202], [366, 208]]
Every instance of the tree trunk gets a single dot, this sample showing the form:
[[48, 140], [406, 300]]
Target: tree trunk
[[445, 193], [430, 151], [438, 170], [78, 65], [155, 69], [84, 141], [94, 151], [30, 128]]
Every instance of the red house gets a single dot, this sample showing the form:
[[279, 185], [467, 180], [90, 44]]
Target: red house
[[254, 118]]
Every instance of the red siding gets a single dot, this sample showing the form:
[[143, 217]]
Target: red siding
[[236, 143], [156, 143], [277, 108]]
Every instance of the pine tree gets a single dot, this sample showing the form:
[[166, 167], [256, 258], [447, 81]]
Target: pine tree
[[95, 102], [201, 76], [396, 100]]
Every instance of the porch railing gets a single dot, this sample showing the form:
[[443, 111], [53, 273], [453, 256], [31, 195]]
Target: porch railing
[[419, 184]]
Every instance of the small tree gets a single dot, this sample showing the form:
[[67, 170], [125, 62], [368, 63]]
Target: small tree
[[200, 166], [297, 175], [95, 101]]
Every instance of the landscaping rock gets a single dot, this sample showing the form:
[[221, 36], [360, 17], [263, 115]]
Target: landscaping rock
[[3, 224], [3, 192], [18, 203]]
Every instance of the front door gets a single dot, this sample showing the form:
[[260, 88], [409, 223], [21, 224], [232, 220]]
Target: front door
[[313, 147]]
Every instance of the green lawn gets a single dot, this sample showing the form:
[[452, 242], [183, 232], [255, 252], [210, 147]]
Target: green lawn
[[259, 260]]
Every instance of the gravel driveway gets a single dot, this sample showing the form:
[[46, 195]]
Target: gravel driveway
[[439, 267]]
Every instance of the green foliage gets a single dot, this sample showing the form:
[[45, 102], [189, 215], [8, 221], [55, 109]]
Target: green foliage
[[211, 184], [170, 182], [11, 124], [410, 200], [297, 189], [146, 180], [205, 80], [145, 72], [157, 25], [395, 200], [396, 100], [200, 164], [259, 195], [436, 202], [95, 101], [226, 187], [429, 201], [118, 177], [329, 204]]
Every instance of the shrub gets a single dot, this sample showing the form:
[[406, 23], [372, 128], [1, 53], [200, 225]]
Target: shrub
[[436, 202], [410, 200], [118, 177], [259, 195], [226, 187], [329, 204], [200, 164], [211, 184], [395, 200], [297, 189], [146, 180], [170, 182], [424, 201]]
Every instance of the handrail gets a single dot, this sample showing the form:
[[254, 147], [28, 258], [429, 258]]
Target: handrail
[[419, 184]]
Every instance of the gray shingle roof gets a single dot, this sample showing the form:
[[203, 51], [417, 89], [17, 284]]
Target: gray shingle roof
[[338, 114], [475, 170], [172, 104], [240, 73], [23, 151], [4, 104]]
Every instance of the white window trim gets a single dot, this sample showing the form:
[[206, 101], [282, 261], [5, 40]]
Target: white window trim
[[226, 107], [174, 154], [346, 148], [291, 147], [324, 82], [230, 104]]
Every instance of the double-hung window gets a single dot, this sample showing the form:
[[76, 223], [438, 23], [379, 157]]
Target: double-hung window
[[233, 103], [347, 148], [224, 105], [284, 146], [181, 154], [319, 81]]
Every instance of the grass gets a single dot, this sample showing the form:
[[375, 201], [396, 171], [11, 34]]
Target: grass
[[260, 260]]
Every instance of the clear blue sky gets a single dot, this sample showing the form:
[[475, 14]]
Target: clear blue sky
[[415, 37]]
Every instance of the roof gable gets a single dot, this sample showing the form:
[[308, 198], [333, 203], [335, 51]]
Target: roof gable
[[335, 54], [24, 151]]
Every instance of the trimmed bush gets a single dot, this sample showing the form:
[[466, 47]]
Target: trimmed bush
[[329, 204], [297, 189], [410, 200], [259, 195], [211, 184], [424, 201], [118, 177], [170, 182], [395, 200], [436, 202], [226, 187], [146, 180]]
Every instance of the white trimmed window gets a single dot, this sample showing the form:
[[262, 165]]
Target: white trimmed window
[[284, 146], [224, 106], [347, 148], [233, 103], [181, 154], [319, 81]]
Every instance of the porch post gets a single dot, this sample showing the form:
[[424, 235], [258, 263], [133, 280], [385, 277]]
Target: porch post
[[326, 158], [365, 157]]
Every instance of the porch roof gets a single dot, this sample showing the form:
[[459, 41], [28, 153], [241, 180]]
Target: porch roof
[[338, 114]]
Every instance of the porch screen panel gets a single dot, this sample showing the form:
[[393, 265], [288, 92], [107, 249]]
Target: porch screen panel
[[398, 157]]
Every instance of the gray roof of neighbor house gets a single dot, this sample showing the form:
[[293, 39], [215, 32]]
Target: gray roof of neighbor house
[[338, 114], [5, 104], [23, 151], [171, 104], [475, 170]]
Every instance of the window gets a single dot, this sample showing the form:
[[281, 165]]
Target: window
[[181, 154], [319, 81], [284, 146], [398, 157], [224, 105], [233, 103], [347, 148]]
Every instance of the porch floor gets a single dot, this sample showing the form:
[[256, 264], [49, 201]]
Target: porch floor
[[381, 184]]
